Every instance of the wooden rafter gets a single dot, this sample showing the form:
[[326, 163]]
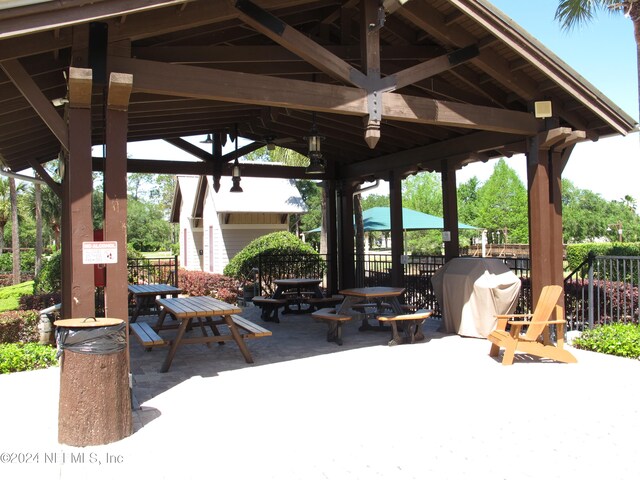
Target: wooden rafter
[[36, 98], [294, 41]]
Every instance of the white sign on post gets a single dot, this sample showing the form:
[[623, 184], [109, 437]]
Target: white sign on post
[[99, 252]]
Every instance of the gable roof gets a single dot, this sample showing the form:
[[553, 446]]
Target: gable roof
[[217, 43], [263, 195], [259, 195]]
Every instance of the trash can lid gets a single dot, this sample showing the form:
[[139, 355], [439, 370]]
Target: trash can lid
[[88, 322]]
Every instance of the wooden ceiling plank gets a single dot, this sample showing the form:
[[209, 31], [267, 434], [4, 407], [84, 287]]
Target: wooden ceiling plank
[[36, 98], [82, 13], [195, 54]]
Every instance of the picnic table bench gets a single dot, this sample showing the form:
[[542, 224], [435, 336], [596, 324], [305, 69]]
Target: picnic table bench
[[204, 312]]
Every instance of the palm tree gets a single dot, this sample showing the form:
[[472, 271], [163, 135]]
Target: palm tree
[[15, 238], [571, 13], [52, 213]]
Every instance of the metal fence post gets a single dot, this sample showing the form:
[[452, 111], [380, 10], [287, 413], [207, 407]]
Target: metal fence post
[[591, 259]]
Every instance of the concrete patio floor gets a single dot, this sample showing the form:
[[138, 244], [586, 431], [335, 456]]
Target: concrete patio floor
[[309, 409]]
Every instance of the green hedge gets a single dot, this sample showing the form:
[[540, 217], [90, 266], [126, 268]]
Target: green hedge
[[622, 340], [18, 357], [578, 252]]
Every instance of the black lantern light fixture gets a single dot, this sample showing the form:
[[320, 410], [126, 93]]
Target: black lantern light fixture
[[235, 170], [316, 163], [209, 139]]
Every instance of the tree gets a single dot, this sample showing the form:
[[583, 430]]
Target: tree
[[584, 214], [423, 192], [15, 236], [571, 13], [502, 206], [52, 213]]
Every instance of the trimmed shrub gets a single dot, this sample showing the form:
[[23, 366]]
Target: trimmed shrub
[[18, 357], [19, 326], [209, 284], [277, 243], [622, 340]]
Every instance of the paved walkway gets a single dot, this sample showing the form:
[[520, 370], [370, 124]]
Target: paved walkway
[[308, 409]]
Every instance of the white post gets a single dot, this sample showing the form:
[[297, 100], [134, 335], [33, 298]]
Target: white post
[[484, 243]]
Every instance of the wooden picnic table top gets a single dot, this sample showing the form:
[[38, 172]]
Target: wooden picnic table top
[[373, 292], [297, 282], [188, 307], [154, 289]]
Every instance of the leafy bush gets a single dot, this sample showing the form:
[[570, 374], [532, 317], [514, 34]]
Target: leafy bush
[[27, 261], [19, 326], [622, 340], [209, 284], [578, 252], [18, 357], [277, 243], [49, 279]]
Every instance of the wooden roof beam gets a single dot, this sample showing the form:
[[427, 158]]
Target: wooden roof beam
[[294, 41], [205, 83], [120, 86]]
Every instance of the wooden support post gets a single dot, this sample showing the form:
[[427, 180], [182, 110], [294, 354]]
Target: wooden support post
[[78, 292], [346, 237], [450, 211], [331, 240], [397, 240], [115, 193], [545, 217]]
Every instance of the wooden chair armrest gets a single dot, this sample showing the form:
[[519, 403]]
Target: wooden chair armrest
[[528, 322]]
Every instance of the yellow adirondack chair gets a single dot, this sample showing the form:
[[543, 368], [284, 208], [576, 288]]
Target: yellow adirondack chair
[[537, 326]]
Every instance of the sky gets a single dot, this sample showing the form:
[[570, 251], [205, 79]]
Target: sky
[[603, 52]]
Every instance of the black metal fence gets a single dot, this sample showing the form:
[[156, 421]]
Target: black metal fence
[[374, 270], [273, 267], [153, 270], [603, 289]]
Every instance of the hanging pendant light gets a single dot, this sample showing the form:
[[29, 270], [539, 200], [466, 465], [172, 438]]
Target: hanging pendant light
[[235, 170], [209, 139], [316, 163]]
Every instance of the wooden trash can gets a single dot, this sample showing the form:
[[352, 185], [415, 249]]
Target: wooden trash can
[[95, 398]]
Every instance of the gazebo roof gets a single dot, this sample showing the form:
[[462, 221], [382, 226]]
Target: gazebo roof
[[270, 66]]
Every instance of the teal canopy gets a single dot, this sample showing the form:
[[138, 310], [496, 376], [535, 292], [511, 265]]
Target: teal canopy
[[379, 219]]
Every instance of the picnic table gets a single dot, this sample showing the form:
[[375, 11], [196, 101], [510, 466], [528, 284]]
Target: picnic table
[[383, 304], [145, 296], [294, 292], [206, 312]]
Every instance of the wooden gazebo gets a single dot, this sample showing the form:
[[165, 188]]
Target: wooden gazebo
[[393, 86]]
